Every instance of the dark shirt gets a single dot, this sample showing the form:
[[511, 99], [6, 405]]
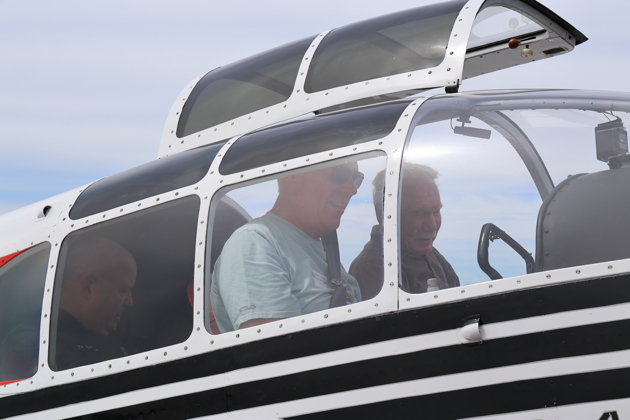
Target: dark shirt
[[78, 346], [367, 268], [19, 351]]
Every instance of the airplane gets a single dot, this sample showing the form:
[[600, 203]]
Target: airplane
[[535, 190]]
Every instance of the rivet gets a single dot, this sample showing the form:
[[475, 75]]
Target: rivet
[[391, 284], [577, 271], [110, 366], [329, 154], [346, 87], [391, 172], [389, 216], [86, 221], [199, 243], [232, 124], [298, 90], [448, 69], [197, 328], [307, 160], [354, 149], [263, 170], [325, 315], [546, 231], [367, 83], [139, 204], [241, 175], [258, 331], [389, 240], [610, 267], [376, 305], [408, 299], [45, 315], [44, 341], [380, 142], [451, 52], [389, 264], [548, 276], [211, 341], [284, 165], [409, 75], [489, 286], [165, 353], [435, 296], [198, 289], [280, 326], [430, 72], [198, 313], [302, 321], [157, 199], [52, 377], [92, 370], [121, 210], [546, 254], [463, 291], [389, 195], [198, 265], [185, 348], [399, 130]]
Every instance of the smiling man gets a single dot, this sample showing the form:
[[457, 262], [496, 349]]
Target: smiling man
[[275, 266], [420, 222], [96, 288]]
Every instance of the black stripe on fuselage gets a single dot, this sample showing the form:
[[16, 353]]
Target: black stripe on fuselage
[[494, 399], [496, 308]]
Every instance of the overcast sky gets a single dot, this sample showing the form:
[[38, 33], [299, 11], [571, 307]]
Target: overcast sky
[[85, 86]]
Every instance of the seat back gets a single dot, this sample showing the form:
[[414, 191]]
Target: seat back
[[585, 220]]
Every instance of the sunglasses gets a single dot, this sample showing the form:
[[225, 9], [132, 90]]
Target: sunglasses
[[341, 174]]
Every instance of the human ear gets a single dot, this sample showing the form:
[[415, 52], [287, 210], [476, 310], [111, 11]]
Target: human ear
[[87, 284]]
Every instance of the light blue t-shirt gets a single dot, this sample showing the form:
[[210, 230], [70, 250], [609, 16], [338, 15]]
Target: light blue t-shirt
[[270, 269]]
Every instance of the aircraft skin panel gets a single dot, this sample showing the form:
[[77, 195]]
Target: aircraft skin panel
[[562, 333], [29, 225]]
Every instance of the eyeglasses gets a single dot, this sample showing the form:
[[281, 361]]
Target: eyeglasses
[[341, 174]]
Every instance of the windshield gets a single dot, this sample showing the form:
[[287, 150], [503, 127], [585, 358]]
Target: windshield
[[541, 166]]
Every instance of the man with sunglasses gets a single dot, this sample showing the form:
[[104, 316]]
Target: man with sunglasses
[[275, 266], [420, 221]]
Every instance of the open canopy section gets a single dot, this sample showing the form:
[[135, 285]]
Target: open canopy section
[[375, 60]]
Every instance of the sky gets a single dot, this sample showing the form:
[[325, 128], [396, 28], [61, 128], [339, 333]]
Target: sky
[[85, 87]]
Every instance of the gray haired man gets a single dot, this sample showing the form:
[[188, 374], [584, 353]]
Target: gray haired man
[[420, 221]]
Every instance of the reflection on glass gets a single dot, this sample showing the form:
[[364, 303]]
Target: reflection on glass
[[282, 263], [21, 292], [497, 23], [121, 286], [246, 86], [400, 42]]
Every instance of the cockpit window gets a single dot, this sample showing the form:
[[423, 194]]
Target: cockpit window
[[506, 184], [498, 23], [400, 42], [320, 133], [246, 86], [150, 179], [121, 286], [273, 253], [21, 292]]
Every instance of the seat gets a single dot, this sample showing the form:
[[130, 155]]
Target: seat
[[585, 220]]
